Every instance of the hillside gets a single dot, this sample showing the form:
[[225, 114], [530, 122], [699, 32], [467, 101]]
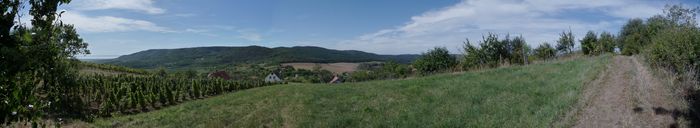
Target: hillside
[[90, 68], [217, 56], [521, 96]]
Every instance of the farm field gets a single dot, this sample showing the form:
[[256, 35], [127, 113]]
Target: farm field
[[333, 67], [536, 95]]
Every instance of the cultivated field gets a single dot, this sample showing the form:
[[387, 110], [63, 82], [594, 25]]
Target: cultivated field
[[536, 95], [333, 67]]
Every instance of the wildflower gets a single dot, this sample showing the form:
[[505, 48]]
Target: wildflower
[[6, 102], [30, 106], [14, 113]]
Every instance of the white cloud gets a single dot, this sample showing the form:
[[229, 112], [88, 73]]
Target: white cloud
[[537, 20], [192, 30], [109, 23], [136, 5], [250, 36]]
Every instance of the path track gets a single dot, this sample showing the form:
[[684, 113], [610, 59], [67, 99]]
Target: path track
[[626, 95]]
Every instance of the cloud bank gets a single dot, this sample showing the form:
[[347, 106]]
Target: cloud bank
[[109, 23], [136, 5], [537, 20], [101, 24]]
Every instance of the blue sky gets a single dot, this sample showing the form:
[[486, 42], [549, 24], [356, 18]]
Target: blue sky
[[119, 27]]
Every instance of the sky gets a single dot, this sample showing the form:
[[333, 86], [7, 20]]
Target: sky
[[119, 27]]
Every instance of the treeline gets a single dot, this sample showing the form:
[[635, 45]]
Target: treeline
[[378, 71], [669, 41], [106, 95]]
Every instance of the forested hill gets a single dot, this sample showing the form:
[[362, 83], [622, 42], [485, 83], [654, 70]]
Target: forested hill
[[216, 56]]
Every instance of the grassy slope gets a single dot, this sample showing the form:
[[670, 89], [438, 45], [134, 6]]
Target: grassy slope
[[527, 96]]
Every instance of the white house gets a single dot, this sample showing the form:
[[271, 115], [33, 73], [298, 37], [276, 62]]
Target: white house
[[273, 78]]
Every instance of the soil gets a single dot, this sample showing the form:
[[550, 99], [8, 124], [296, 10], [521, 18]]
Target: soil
[[626, 95]]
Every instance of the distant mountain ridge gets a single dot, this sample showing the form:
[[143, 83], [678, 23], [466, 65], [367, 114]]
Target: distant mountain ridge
[[217, 56]]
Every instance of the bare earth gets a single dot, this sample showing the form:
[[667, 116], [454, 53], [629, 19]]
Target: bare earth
[[333, 67], [626, 95]]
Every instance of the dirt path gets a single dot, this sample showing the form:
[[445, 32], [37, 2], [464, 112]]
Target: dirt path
[[626, 95]]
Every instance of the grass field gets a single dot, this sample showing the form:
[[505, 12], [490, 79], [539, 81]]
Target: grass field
[[521, 96]]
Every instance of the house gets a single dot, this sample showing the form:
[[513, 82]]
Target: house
[[219, 74], [273, 78], [336, 80]]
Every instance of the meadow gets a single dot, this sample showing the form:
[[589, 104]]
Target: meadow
[[536, 95]]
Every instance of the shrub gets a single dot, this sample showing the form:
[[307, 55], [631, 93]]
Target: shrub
[[587, 43], [633, 37], [565, 44], [545, 51], [606, 43], [436, 60]]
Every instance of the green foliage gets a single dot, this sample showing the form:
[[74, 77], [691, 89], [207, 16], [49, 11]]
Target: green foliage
[[126, 93], [592, 45], [37, 64], [493, 52], [677, 44], [225, 56], [161, 72], [520, 51], [565, 44], [389, 70], [606, 43], [633, 37], [530, 96], [317, 75], [545, 51], [114, 68], [588, 41], [436, 60]]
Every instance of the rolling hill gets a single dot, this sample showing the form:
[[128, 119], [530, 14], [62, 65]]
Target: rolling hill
[[537, 95], [216, 56]]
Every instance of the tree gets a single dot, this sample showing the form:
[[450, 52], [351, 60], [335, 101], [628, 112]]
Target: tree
[[565, 44], [519, 50], [676, 45], [606, 43], [633, 37], [587, 43], [473, 56], [37, 62], [436, 60], [545, 51]]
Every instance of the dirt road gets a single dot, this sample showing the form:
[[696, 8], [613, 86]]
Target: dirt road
[[626, 95]]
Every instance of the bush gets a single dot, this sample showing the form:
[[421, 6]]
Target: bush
[[587, 43], [389, 70], [633, 37], [565, 44], [606, 43], [676, 43], [545, 51], [436, 60], [492, 52]]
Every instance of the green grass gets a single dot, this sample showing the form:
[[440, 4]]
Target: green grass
[[521, 96]]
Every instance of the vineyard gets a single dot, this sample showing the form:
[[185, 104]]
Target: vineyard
[[107, 95], [113, 68]]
